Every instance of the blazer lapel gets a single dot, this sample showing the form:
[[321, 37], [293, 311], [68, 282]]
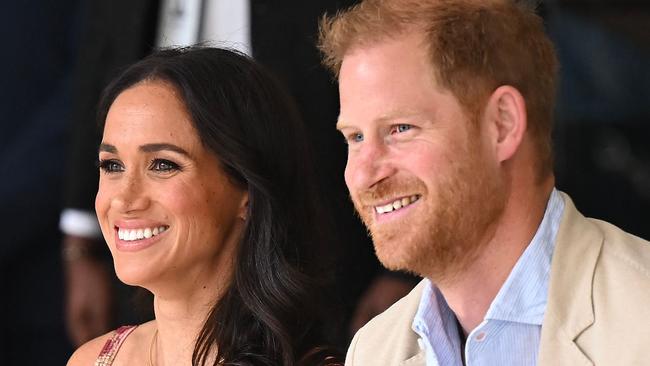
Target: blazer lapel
[[418, 360], [411, 353], [569, 310]]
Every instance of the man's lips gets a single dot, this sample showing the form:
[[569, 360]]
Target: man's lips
[[396, 204]]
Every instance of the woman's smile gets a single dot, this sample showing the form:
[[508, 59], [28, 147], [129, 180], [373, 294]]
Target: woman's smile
[[129, 239]]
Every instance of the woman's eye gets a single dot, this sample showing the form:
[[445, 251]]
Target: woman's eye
[[109, 166], [401, 128], [162, 165]]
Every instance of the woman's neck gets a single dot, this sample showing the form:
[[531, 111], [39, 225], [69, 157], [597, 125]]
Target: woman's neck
[[180, 314]]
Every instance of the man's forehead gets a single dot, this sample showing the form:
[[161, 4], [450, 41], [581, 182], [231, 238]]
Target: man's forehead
[[386, 65]]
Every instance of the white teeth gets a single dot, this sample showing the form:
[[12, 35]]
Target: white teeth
[[139, 234], [397, 204]]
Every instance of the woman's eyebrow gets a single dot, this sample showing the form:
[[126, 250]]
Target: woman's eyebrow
[[148, 148]]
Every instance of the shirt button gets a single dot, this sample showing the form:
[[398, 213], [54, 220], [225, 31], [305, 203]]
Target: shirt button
[[480, 337]]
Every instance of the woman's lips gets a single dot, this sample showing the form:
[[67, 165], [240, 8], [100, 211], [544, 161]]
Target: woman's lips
[[135, 239]]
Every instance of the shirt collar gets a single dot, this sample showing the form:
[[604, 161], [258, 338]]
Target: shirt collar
[[523, 296], [436, 323]]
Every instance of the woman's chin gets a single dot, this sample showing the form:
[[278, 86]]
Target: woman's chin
[[132, 275]]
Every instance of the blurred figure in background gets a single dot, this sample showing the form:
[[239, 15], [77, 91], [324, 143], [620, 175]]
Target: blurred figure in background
[[39, 44]]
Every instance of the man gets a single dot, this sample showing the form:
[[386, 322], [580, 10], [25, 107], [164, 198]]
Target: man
[[447, 109]]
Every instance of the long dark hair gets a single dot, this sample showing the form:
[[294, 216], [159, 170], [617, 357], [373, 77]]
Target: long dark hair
[[269, 315]]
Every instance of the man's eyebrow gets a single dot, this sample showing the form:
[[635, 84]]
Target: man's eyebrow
[[108, 148], [386, 117], [148, 148], [340, 124], [396, 114]]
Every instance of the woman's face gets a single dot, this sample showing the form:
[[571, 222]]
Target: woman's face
[[166, 208]]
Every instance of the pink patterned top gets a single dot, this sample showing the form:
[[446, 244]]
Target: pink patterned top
[[107, 355]]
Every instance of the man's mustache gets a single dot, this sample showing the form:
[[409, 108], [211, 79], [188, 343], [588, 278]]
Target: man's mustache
[[388, 189]]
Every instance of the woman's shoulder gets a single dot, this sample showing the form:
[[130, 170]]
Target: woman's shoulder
[[88, 352], [103, 345]]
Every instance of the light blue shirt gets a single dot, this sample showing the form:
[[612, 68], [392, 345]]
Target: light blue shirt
[[510, 331]]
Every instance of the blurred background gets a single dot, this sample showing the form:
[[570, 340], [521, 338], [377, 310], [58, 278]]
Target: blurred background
[[59, 55]]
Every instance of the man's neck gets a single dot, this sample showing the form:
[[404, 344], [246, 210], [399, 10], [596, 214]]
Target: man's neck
[[471, 293]]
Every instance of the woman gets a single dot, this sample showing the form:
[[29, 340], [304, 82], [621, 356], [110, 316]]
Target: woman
[[206, 199]]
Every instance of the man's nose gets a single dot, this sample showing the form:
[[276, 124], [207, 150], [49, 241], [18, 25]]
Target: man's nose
[[369, 165]]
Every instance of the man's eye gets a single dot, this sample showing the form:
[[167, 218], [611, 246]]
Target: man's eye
[[355, 137], [162, 165], [109, 166], [401, 128]]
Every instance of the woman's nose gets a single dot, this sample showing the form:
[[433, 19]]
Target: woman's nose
[[132, 195]]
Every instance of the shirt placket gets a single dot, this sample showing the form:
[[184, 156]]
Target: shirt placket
[[478, 341]]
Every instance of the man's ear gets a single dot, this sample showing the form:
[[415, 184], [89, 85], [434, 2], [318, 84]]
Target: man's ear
[[507, 121], [242, 212]]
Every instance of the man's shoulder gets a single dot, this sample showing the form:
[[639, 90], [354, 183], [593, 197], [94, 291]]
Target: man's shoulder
[[388, 339], [598, 247], [624, 265], [610, 245], [620, 245], [599, 287], [621, 298]]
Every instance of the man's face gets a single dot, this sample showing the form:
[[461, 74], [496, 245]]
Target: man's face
[[415, 169]]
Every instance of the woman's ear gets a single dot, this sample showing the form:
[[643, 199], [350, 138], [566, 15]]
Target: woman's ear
[[242, 212], [507, 121]]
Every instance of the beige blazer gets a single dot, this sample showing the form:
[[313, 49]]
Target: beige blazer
[[598, 310]]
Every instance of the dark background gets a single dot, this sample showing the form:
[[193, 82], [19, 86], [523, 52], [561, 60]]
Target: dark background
[[58, 55]]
